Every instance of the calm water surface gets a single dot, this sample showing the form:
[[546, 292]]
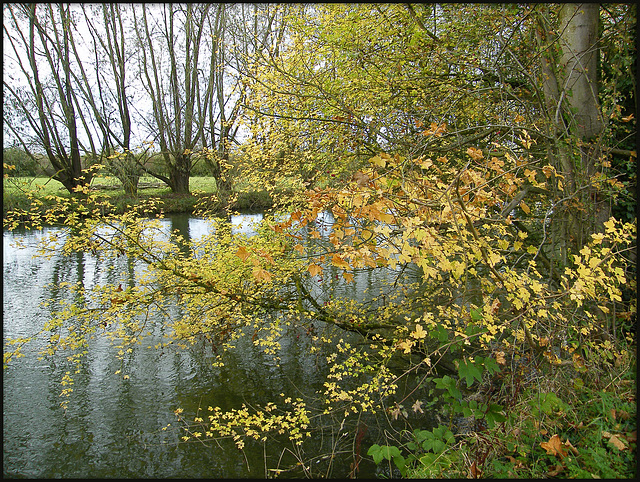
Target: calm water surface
[[113, 427]]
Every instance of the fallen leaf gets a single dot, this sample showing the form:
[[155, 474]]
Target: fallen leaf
[[555, 470], [554, 446], [475, 471], [617, 443], [574, 450]]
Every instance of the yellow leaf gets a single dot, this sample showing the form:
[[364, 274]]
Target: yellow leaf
[[405, 345], [348, 277], [419, 333], [524, 207], [299, 248], [378, 161]]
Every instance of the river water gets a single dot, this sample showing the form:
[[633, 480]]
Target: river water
[[113, 427]]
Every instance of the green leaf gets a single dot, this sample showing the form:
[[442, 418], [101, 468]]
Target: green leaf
[[376, 452], [449, 384], [469, 371]]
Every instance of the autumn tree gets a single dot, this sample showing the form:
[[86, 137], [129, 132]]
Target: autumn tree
[[457, 177], [372, 88]]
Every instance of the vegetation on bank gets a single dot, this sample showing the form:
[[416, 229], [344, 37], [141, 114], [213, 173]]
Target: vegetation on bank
[[18, 193], [546, 392]]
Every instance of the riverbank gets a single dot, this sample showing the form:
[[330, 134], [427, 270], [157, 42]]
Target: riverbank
[[23, 194]]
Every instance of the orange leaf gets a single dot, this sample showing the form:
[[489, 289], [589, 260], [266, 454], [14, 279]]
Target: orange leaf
[[554, 446], [261, 274], [475, 154], [338, 262], [348, 277], [299, 248], [242, 253], [314, 269]]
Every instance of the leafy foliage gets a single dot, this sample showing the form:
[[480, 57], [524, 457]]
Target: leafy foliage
[[445, 176]]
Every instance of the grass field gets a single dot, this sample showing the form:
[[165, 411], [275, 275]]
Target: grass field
[[14, 195]]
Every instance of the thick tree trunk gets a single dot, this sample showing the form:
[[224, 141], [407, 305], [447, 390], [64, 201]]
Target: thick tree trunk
[[179, 173], [570, 85], [579, 62]]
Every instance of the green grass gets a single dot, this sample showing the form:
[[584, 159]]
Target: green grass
[[202, 189]]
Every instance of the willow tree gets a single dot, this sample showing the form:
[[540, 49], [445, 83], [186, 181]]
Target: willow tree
[[170, 43], [113, 92], [58, 119]]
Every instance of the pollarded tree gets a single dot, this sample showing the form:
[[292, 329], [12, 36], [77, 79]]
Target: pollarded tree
[[58, 119], [113, 90], [170, 41]]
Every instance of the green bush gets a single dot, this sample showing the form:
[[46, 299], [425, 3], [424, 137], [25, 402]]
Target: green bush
[[24, 164]]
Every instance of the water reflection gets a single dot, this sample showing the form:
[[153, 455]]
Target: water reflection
[[113, 426]]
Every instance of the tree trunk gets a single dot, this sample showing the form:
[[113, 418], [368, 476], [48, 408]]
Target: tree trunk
[[579, 64], [179, 175], [570, 86]]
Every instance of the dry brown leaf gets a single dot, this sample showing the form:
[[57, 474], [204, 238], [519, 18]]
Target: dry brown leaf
[[554, 446], [476, 473], [617, 443], [574, 450], [361, 178]]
